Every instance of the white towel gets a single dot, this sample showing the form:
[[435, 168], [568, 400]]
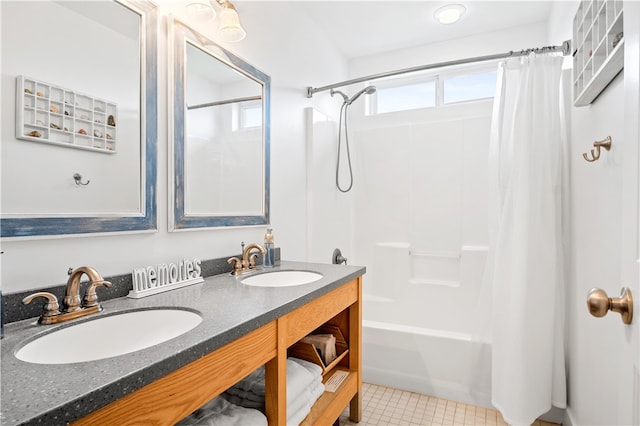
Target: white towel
[[254, 382], [244, 402], [314, 369], [220, 412], [299, 377], [300, 374], [297, 409], [304, 387], [301, 406]]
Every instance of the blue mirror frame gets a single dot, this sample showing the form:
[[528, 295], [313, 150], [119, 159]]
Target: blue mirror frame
[[147, 220], [179, 35]]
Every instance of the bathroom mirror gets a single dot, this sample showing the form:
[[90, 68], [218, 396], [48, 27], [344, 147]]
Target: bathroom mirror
[[73, 66], [220, 129]]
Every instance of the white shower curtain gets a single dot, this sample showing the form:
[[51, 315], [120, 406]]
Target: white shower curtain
[[527, 188]]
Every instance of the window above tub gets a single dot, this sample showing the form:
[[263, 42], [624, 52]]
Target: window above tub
[[432, 90]]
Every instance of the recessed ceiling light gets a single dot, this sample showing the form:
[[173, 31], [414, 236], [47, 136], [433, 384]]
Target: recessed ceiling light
[[450, 13]]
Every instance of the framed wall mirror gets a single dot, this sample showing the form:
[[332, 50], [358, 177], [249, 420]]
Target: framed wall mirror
[[78, 75], [220, 130]]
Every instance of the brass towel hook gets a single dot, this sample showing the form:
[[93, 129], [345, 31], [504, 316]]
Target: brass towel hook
[[595, 153]]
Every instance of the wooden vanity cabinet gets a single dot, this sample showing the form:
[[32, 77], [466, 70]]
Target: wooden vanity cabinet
[[180, 392]]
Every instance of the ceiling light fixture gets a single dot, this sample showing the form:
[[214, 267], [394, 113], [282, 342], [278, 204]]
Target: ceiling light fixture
[[229, 28], [449, 14]]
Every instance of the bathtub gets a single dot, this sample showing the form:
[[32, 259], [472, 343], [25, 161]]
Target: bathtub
[[431, 362], [417, 333]]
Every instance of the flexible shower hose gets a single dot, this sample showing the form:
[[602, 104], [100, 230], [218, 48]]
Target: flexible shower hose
[[343, 112]]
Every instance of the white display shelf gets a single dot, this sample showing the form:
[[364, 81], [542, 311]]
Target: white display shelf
[[55, 115], [599, 55]]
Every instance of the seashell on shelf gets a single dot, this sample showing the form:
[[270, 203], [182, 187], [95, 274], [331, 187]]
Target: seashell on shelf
[[97, 133], [54, 126], [53, 108], [28, 91], [109, 136], [82, 132], [34, 134], [111, 121], [39, 93]]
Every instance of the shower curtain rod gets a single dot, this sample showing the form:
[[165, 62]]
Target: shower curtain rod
[[565, 48], [229, 101]]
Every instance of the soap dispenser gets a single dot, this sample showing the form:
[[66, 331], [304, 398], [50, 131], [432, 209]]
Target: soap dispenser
[[270, 254]]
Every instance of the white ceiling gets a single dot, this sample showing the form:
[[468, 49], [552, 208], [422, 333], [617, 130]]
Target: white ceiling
[[361, 28]]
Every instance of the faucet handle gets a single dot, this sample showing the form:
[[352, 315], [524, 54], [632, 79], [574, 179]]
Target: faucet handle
[[90, 297], [51, 307], [252, 260], [237, 265]]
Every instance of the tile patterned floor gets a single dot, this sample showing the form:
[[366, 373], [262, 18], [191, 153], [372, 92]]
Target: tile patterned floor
[[382, 406]]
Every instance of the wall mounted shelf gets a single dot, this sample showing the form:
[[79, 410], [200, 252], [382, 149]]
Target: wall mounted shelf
[[599, 42], [58, 116]]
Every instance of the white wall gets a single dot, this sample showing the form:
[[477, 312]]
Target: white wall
[[466, 47], [293, 64], [422, 191], [594, 390]]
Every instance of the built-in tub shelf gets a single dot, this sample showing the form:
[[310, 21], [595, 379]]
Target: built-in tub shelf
[[179, 393], [599, 43], [52, 114]]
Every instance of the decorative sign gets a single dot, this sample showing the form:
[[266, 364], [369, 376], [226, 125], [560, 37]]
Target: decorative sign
[[165, 277]]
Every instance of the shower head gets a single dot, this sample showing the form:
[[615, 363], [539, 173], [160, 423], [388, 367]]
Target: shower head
[[369, 90], [345, 97]]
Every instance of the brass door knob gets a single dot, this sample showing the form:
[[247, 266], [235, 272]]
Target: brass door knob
[[599, 304]]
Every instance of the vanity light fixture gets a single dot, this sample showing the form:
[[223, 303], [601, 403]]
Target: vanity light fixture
[[229, 28], [201, 11], [449, 14]]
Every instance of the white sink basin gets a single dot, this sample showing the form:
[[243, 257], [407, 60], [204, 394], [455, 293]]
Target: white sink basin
[[281, 278], [108, 336]]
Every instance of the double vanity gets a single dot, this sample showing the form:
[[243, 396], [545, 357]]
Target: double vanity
[[243, 326]]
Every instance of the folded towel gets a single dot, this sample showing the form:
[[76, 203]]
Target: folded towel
[[303, 403], [248, 395], [299, 378], [220, 412], [304, 387], [296, 418], [244, 402], [254, 382], [314, 369], [300, 374], [297, 410]]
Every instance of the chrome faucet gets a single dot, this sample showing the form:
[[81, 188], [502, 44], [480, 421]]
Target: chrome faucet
[[248, 261], [72, 306]]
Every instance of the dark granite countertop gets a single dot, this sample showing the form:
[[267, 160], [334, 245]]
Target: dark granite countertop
[[59, 394]]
